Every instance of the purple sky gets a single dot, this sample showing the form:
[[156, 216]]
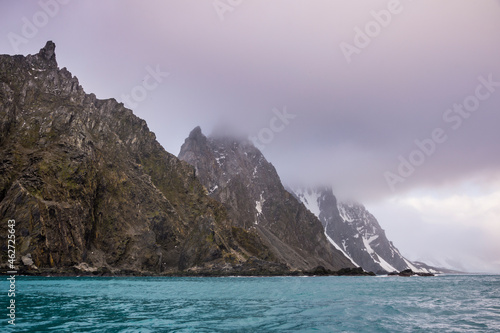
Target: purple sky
[[358, 100]]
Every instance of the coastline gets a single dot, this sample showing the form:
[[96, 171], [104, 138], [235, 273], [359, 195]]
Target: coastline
[[105, 272]]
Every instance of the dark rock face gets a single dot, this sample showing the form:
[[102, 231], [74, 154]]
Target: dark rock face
[[409, 272], [355, 231], [322, 271], [236, 173], [48, 53], [92, 190]]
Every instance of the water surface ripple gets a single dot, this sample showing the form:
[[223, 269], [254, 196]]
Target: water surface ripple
[[278, 304]]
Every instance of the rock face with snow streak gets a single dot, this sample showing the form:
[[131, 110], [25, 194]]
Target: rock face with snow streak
[[236, 173], [355, 231]]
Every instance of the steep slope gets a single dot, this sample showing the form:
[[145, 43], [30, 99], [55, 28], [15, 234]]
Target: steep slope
[[236, 173], [90, 187], [355, 231]]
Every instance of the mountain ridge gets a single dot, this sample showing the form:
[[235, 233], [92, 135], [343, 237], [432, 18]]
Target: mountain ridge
[[236, 174], [357, 232], [92, 191]]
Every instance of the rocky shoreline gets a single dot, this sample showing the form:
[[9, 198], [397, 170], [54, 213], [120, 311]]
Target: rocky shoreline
[[251, 269]]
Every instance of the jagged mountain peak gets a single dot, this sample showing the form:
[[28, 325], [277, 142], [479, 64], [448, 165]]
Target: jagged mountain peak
[[237, 174], [196, 133], [48, 52], [224, 158], [224, 140], [45, 58], [221, 137]]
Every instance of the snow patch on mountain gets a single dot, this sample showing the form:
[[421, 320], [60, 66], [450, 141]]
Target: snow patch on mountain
[[379, 260], [311, 200], [344, 215], [259, 203], [372, 239], [254, 174], [340, 249], [213, 189]]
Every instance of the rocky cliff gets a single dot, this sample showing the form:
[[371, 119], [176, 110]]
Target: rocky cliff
[[357, 232], [92, 190], [236, 173]]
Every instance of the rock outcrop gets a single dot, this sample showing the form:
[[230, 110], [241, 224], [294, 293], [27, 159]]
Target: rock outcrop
[[409, 273], [236, 174], [91, 190]]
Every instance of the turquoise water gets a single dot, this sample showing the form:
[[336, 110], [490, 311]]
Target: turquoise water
[[278, 304]]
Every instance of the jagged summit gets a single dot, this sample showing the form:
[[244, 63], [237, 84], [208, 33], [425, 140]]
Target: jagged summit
[[220, 136], [45, 58], [48, 52], [236, 173], [196, 133]]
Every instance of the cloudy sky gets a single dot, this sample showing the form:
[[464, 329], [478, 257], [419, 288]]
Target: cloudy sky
[[395, 103]]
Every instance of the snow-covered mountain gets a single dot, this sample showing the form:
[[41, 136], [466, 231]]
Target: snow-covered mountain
[[356, 232]]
